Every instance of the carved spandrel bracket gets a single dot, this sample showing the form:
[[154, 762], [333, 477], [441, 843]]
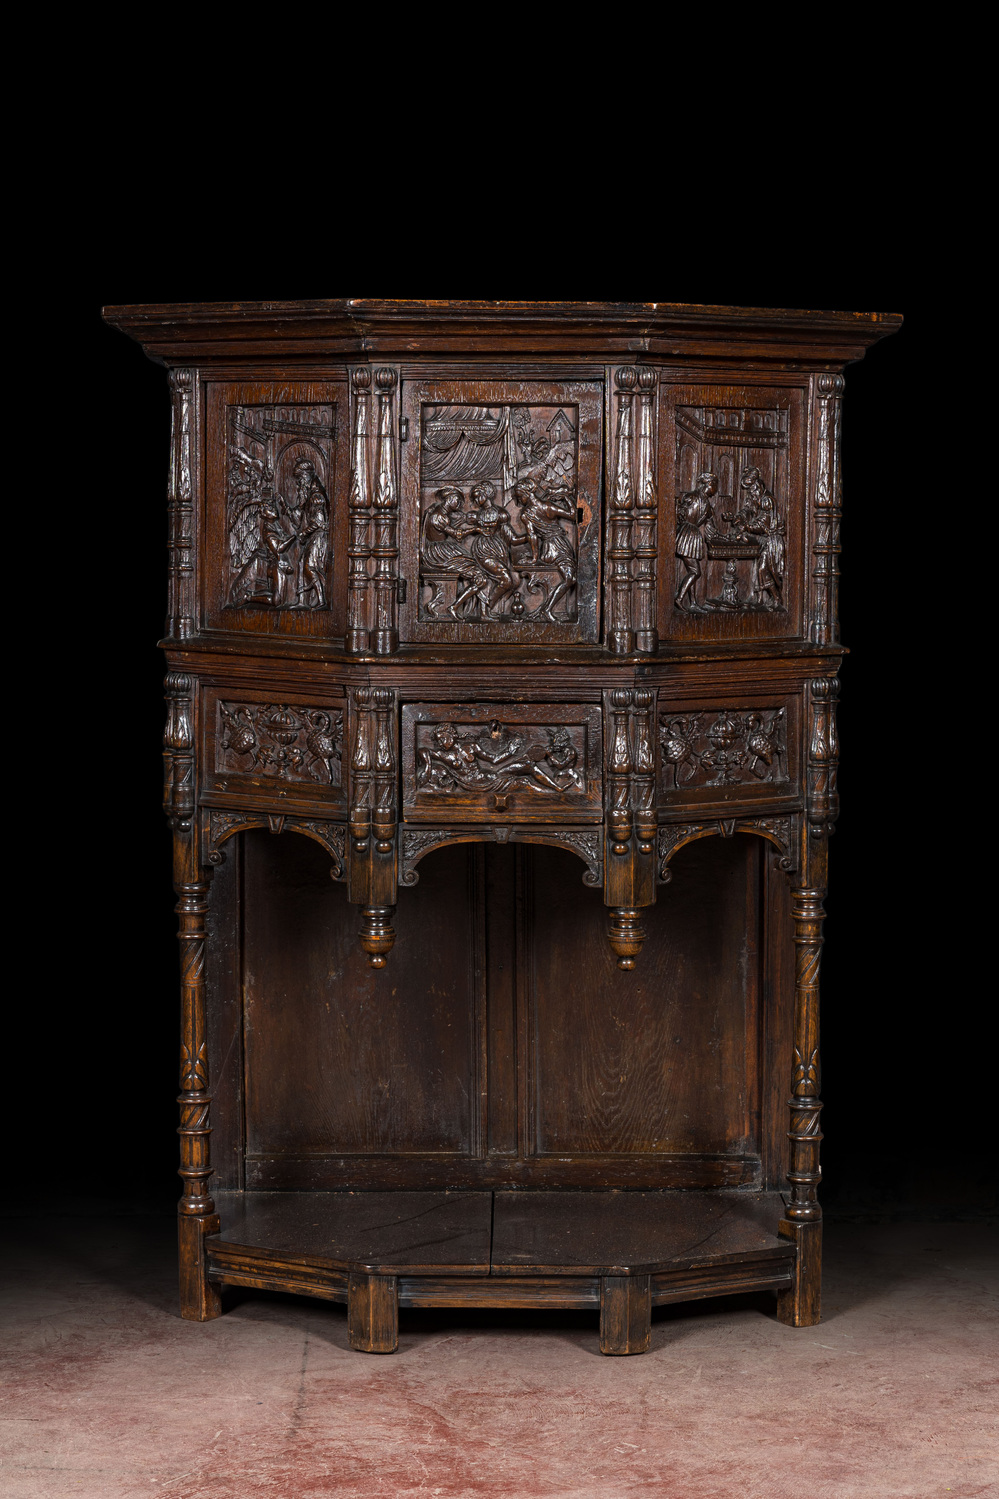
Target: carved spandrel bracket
[[585, 842], [218, 827], [781, 831]]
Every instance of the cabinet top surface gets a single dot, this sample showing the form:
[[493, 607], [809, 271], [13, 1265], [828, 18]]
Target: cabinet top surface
[[182, 329]]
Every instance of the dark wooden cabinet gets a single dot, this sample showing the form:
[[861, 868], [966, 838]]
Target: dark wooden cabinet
[[501, 764]]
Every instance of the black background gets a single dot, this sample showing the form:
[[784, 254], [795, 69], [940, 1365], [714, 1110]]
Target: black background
[[905, 1055]]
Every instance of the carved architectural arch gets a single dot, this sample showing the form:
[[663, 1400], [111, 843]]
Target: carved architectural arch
[[781, 831], [586, 843], [219, 826]]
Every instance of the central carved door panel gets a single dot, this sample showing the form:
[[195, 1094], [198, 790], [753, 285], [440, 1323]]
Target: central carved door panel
[[504, 1048]]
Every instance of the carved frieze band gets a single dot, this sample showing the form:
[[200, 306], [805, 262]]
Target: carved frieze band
[[221, 825], [586, 842], [178, 751], [289, 742], [180, 603], [781, 831], [826, 510], [723, 747], [823, 757], [373, 769]]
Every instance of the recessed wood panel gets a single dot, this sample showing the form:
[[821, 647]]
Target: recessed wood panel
[[342, 1059], [665, 1059]]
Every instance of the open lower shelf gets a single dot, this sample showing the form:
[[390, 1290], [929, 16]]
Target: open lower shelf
[[502, 1248]]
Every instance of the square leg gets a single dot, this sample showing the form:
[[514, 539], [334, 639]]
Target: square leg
[[625, 1313], [801, 1304], [200, 1298], [373, 1313]]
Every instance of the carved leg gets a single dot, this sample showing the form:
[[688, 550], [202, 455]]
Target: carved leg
[[802, 1222], [199, 1300], [625, 1313], [373, 1313]]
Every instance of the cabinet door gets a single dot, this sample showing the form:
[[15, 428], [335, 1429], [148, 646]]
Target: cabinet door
[[275, 522], [501, 511], [733, 461]]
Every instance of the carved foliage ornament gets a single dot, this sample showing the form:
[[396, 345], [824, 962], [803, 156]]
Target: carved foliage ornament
[[280, 462], [731, 525], [777, 830], [723, 747], [223, 824], [298, 744]]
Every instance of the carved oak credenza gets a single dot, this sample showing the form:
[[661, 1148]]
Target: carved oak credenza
[[501, 766]]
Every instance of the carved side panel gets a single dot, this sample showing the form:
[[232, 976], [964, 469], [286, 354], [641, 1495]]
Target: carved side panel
[[492, 761], [826, 510], [504, 544], [286, 742], [733, 511], [276, 534]]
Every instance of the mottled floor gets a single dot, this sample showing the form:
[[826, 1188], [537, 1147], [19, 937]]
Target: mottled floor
[[108, 1393]]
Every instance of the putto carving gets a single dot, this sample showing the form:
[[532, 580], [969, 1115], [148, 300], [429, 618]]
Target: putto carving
[[498, 759], [299, 744], [723, 747], [278, 509], [730, 546], [501, 515]]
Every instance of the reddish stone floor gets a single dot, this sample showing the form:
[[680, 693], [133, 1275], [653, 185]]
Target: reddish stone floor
[[109, 1395]]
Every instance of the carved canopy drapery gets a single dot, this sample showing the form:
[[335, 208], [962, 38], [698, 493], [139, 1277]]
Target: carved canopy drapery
[[461, 443]]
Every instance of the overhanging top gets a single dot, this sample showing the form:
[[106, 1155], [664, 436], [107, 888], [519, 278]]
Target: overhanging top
[[188, 332]]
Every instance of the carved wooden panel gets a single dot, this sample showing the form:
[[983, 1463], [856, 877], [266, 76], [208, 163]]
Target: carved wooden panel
[[730, 557], [740, 750], [275, 557], [280, 747], [501, 485], [499, 762]]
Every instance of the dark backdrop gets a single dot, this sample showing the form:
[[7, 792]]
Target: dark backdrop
[[902, 1018]]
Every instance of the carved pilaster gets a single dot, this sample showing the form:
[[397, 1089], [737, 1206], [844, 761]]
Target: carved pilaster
[[178, 751], [629, 868], [823, 757], [180, 541], [645, 543], [385, 540], [619, 769], [643, 779], [826, 511], [621, 637], [359, 518], [372, 866]]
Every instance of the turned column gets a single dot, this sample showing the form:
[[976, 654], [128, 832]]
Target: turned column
[[621, 636]]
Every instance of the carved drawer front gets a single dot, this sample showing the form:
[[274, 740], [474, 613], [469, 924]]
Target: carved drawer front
[[271, 748], [742, 750], [275, 523], [732, 459], [501, 510], [497, 762]]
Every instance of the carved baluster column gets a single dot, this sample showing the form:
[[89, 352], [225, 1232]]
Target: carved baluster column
[[644, 592], [361, 758], [180, 509], [826, 518], [385, 547], [800, 1305], [643, 780], [359, 535], [372, 870], [620, 638], [199, 1299]]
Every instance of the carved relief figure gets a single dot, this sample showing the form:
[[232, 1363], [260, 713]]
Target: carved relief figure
[[508, 550], [746, 449], [292, 743], [497, 759], [733, 747], [278, 506]]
